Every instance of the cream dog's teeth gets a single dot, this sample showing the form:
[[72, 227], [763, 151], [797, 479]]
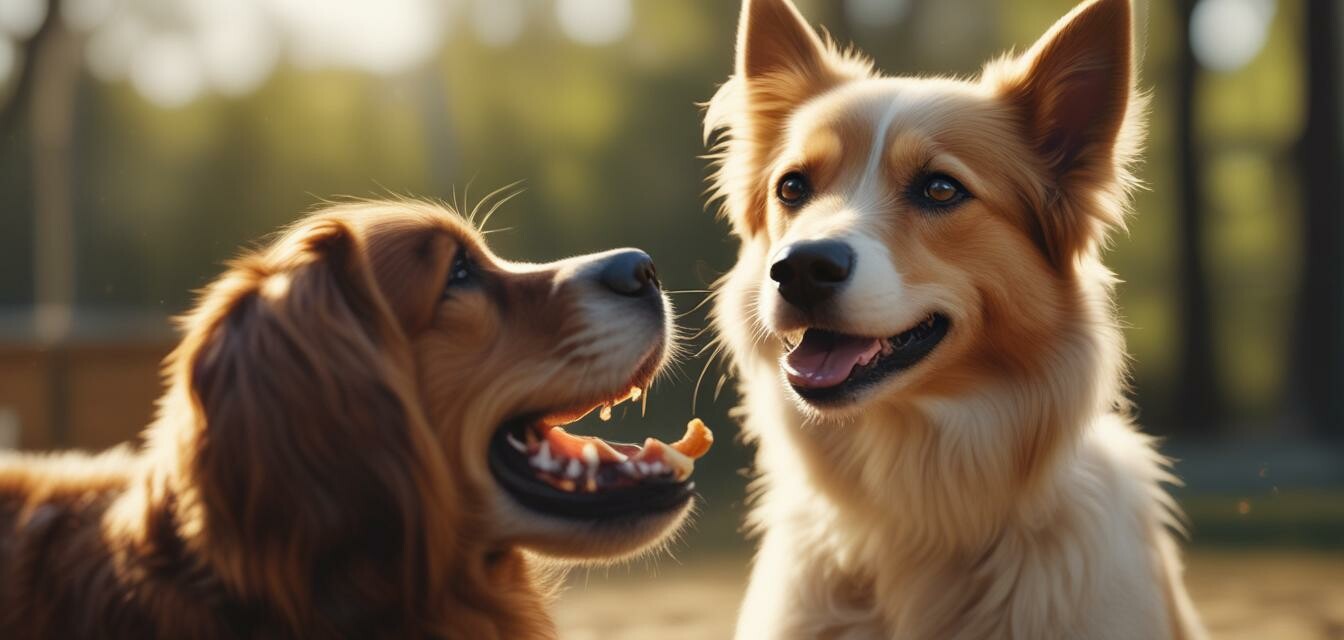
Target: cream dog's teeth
[[575, 469], [635, 393], [628, 468], [605, 412], [590, 454]]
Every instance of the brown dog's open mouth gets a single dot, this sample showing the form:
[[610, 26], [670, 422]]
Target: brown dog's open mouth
[[548, 469]]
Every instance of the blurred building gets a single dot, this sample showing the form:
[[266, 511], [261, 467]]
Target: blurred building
[[92, 391]]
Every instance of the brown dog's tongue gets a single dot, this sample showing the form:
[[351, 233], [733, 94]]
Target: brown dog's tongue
[[568, 445], [824, 359]]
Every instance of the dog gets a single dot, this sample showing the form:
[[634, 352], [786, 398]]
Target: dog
[[361, 438], [926, 341]]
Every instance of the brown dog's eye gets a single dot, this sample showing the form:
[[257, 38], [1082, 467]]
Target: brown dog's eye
[[941, 191], [793, 189], [462, 272]]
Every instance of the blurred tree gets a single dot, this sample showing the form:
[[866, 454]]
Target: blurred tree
[[1198, 399], [50, 111], [1317, 377], [11, 112], [43, 102]]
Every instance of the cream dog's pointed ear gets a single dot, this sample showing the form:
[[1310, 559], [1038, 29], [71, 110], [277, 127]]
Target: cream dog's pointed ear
[[774, 38], [1074, 92], [781, 63], [1076, 83]]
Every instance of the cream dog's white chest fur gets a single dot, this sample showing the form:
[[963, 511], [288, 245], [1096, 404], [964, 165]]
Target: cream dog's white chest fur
[[1088, 557]]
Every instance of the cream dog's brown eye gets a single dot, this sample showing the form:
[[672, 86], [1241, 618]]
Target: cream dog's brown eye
[[793, 189], [941, 191]]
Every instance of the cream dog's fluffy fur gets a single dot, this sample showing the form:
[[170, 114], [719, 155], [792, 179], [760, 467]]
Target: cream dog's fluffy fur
[[977, 476]]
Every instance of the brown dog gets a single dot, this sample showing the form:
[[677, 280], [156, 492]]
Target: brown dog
[[351, 445]]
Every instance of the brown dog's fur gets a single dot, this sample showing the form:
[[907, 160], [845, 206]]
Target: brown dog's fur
[[317, 467]]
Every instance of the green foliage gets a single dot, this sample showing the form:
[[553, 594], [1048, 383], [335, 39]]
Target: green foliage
[[607, 139]]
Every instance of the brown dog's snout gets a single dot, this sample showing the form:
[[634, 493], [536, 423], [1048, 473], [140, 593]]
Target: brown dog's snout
[[812, 271], [630, 273]]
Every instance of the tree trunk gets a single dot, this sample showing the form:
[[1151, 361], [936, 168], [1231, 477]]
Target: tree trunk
[[1317, 380], [14, 108], [1198, 403], [55, 66]]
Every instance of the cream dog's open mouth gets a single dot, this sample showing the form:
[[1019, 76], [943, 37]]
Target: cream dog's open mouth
[[547, 469], [829, 368]]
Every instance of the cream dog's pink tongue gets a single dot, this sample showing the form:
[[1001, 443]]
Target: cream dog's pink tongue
[[824, 359]]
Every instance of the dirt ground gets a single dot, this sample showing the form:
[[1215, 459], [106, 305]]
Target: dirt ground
[[1278, 595]]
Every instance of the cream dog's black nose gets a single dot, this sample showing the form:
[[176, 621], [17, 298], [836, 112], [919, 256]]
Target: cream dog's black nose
[[810, 272], [630, 273]]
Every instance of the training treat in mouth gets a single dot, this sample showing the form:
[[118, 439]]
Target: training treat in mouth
[[697, 440], [576, 463]]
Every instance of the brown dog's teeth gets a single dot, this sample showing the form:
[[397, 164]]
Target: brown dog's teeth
[[513, 442], [542, 459], [605, 412], [635, 393]]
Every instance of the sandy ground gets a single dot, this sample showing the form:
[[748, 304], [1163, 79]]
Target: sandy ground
[[1241, 594]]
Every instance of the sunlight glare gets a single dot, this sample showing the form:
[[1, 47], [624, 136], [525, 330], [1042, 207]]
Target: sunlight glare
[[167, 71], [498, 23], [386, 37], [1226, 35], [110, 48], [83, 15], [594, 22], [21, 18], [238, 48]]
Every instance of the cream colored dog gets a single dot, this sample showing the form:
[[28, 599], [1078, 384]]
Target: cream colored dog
[[927, 346]]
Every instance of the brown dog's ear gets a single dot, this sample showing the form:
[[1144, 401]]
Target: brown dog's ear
[[1075, 92], [318, 485], [781, 62]]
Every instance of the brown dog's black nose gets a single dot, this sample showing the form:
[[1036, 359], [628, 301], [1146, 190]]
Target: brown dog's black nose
[[630, 273], [810, 272]]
